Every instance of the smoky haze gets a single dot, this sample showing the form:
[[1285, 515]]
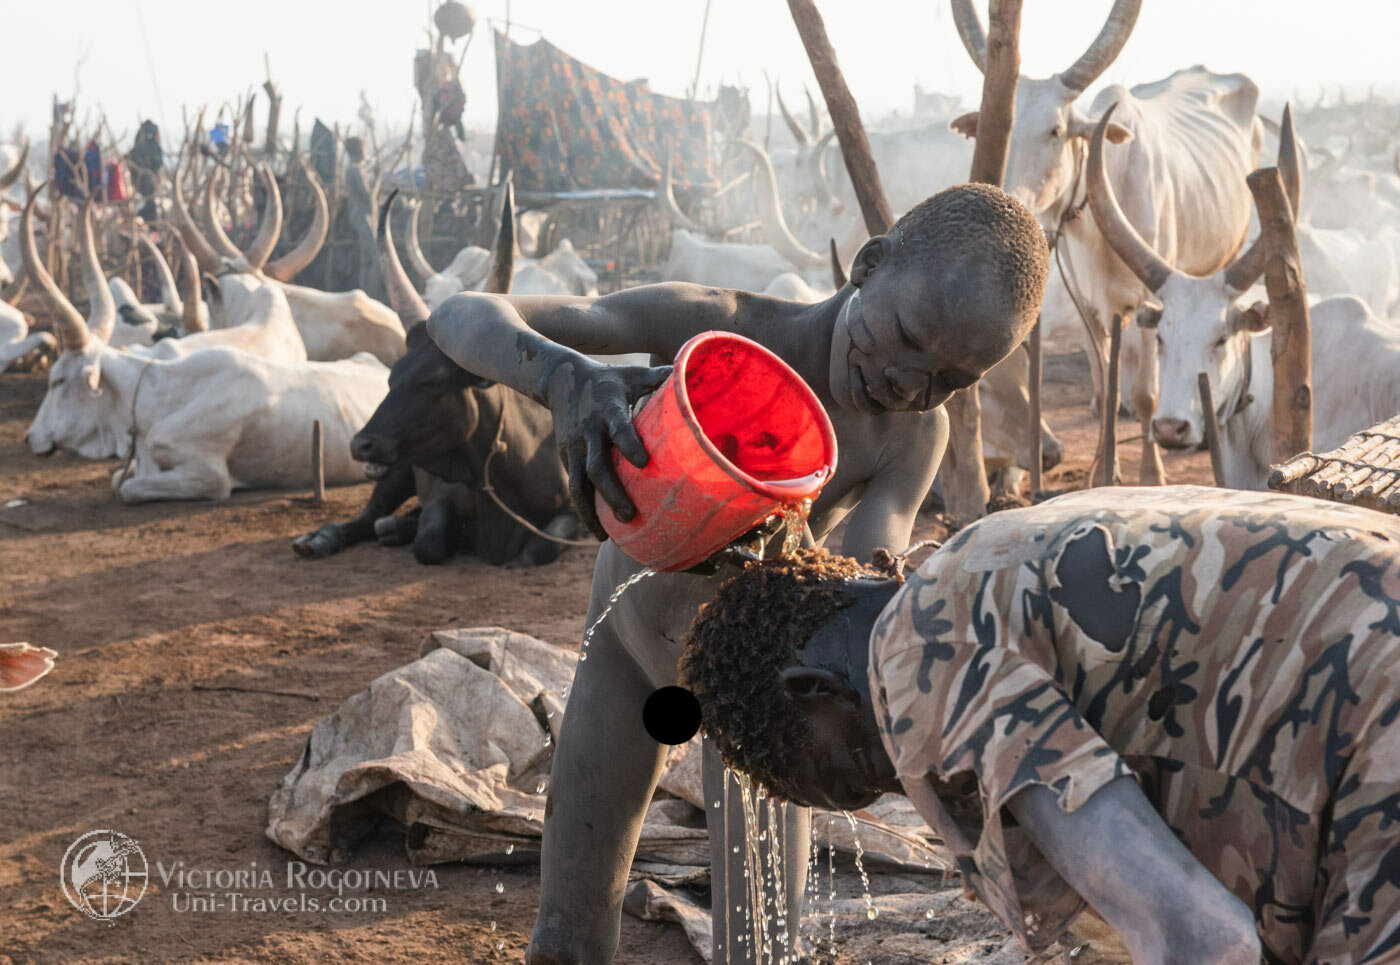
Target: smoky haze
[[140, 58]]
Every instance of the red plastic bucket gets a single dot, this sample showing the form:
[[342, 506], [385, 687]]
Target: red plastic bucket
[[734, 434]]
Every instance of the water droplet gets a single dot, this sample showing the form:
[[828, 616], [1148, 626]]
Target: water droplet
[[871, 913], [500, 888], [510, 849], [735, 849], [928, 915], [583, 656], [715, 805], [493, 926], [501, 946], [539, 788], [550, 715]]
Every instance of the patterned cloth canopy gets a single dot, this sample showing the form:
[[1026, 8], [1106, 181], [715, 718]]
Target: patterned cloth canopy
[[564, 126]]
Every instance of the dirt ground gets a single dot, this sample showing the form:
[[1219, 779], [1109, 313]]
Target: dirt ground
[[197, 653]]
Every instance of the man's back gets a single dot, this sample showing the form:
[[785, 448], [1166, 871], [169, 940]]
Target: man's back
[[1143, 631]]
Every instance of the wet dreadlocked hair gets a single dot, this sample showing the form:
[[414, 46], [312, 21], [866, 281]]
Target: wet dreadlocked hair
[[979, 235], [743, 638]]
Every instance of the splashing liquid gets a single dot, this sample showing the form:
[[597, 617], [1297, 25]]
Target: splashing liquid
[[870, 911], [795, 521], [621, 588]]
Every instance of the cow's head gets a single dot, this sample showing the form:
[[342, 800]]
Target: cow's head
[[427, 419], [1201, 325], [1049, 134], [77, 410]]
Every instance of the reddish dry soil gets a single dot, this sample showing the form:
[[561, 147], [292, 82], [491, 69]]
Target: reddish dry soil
[[154, 608]]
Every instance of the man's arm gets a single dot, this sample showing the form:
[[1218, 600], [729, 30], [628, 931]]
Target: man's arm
[[885, 515], [533, 344], [1118, 853]]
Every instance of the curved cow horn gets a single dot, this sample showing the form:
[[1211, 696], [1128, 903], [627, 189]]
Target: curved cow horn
[[974, 37], [498, 279], [416, 259], [1105, 48], [799, 133], [12, 175], [72, 330], [770, 213], [813, 113], [217, 236], [270, 227], [1246, 269], [169, 295], [102, 309], [403, 297], [838, 274], [192, 317], [1151, 269], [193, 238], [667, 198], [295, 261], [816, 170]]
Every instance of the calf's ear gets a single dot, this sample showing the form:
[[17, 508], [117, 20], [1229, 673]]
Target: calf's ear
[[965, 124], [92, 375], [1254, 319], [1115, 133]]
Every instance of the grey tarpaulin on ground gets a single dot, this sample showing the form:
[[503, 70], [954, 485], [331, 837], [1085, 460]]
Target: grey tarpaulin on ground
[[456, 748]]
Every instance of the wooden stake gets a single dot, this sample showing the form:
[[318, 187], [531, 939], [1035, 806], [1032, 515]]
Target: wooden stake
[[1033, 347], [318, 462], [1290, 424], [1108, 429], [998, 109], [1212, 428], [845, 117]]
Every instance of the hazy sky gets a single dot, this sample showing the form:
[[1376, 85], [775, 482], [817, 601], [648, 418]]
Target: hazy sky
[[324, 53]]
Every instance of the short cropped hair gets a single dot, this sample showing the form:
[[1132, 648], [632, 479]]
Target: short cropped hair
[[981, 233], [740, 642]]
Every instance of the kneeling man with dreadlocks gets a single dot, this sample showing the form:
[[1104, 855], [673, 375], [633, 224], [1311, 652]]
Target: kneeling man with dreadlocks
[[1176, 705]]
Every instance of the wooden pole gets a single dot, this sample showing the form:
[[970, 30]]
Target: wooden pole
[[1034, 349], [318, 462], [1290, 424], [845, 117], [1107, 474], [1217, 465], [998, 109]]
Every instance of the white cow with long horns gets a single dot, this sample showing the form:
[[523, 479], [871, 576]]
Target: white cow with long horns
[[1189, 140], [197, 427], [333, 325], [1203, 327]]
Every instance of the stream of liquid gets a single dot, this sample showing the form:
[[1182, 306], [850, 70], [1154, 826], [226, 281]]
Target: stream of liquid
[[794, 522], [621, 588]]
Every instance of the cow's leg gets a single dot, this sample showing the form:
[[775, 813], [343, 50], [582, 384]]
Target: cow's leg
[[540, 551], [731, 917], [198, 477], [433, 542], [605, 769], [1151, 472], [388, 495]]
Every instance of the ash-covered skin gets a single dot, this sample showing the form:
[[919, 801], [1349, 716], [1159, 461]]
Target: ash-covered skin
[[782, 689], [907, 340]]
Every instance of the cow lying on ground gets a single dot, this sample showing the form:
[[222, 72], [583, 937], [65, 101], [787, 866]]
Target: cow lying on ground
[[1202, 328], [333, 325], [194, 428], [435, 435], [16, 341], [146, 323]]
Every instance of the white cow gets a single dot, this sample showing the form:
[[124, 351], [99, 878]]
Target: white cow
[[203, 425], [1189, 141], [333, 325], [1202, 327], [267, 331], [561, 272], [11, 167], [697, 259], [16, 342], [140, 322]]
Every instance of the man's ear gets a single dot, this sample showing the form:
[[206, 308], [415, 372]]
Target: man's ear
[[808, 684], [965, 124], [1254, 319], [871, 253]]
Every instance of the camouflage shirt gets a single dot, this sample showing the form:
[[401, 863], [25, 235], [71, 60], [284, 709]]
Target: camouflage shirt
[[1237, 653]]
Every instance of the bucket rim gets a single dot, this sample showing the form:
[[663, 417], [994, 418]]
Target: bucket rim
[[781, 494]]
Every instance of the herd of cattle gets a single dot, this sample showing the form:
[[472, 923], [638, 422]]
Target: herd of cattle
[[1142, 192]]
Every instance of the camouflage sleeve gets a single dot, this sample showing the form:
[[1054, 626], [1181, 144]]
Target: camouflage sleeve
[[949, 709]]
